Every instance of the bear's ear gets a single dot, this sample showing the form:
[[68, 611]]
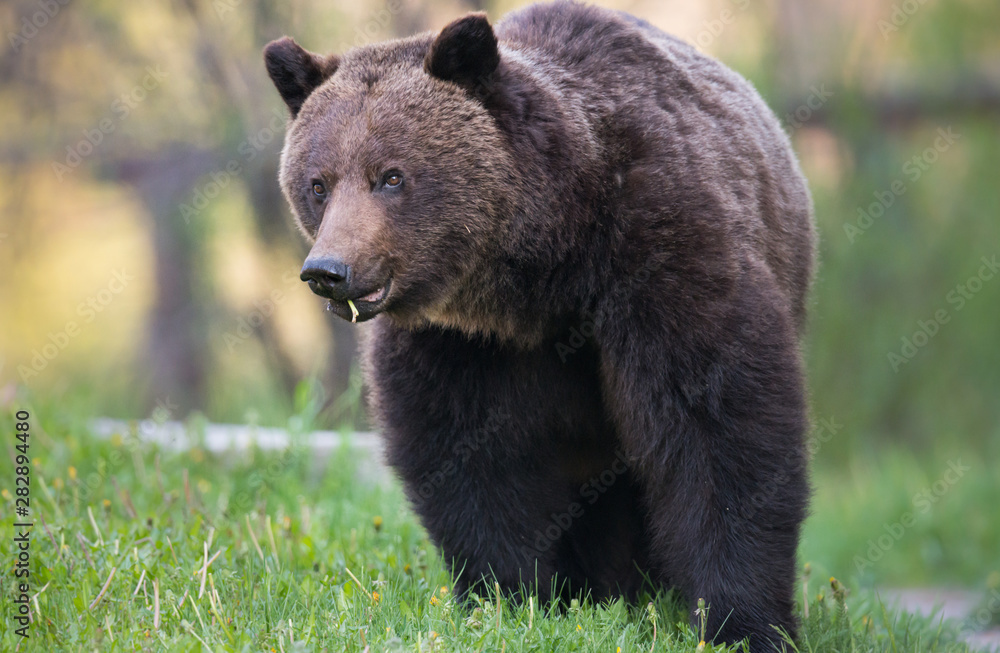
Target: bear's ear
[[465, 52], [295, 71]]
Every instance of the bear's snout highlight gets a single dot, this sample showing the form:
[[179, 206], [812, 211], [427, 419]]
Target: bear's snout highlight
[[352, 296], [327, 277]]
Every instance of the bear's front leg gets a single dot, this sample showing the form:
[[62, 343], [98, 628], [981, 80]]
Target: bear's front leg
[[469, 428], [711, 414]]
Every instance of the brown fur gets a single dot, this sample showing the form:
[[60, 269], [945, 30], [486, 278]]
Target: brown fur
[[600, 252]]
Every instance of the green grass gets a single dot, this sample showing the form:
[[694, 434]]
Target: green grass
[[127, 530]]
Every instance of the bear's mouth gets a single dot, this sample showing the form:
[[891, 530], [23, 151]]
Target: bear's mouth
[[365, 307]]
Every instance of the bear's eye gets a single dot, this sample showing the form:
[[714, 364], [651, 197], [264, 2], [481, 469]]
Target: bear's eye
[[319, 190], [393, 179]]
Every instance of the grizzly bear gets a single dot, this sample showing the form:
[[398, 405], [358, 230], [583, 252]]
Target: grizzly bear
[[589, 248]]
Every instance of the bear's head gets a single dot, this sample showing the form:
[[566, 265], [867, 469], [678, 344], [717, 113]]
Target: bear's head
[[394, 168]]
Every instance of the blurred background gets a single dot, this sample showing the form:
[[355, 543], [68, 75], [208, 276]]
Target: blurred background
[[148, 261]]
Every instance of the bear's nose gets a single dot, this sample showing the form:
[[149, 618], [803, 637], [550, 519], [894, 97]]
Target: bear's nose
[[327, 277]]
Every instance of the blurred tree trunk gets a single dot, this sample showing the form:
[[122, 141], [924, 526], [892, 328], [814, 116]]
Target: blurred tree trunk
[[176, 343]]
